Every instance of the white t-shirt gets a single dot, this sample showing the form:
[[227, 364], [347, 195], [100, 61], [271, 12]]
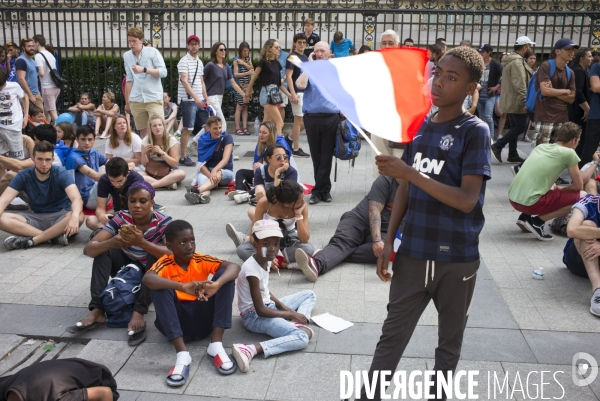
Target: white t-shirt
[[188, 65], [251, 268], [11, 114], [57, 161], [46, 81], [172, 142], [124, 151]]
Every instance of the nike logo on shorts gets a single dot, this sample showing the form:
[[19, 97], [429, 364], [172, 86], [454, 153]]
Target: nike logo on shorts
[[470, 277]]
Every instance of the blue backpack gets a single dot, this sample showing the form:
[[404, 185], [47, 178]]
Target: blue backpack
[[533, 94], [347, 143], [121, 294]]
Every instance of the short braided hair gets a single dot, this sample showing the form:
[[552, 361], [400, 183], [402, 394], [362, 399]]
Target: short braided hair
[[472, 59]]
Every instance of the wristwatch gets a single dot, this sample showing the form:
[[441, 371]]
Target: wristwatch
[[145, 69]]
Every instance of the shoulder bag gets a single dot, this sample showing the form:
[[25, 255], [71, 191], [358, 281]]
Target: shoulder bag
[[54, 74]]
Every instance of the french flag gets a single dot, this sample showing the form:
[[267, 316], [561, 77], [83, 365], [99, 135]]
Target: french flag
[[381, 91]]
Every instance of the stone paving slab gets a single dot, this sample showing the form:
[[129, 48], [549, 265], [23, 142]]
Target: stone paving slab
[[44, 321], [147, 369], [19, 356], [559, 347], [112, 354], [9, 342]]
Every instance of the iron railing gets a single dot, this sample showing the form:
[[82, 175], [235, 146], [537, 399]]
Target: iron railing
[[97, 29]]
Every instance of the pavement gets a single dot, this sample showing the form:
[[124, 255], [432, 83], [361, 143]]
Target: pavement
[[518, 328]]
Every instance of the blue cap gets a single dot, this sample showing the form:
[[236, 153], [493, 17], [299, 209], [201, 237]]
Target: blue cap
[[565, 44], [65, 118]]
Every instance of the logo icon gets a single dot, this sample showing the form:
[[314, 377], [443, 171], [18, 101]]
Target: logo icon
[[446, 142], [582, 364]]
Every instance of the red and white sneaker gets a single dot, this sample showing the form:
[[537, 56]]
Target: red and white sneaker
[[309, 332], [242, 355], [308, 265]]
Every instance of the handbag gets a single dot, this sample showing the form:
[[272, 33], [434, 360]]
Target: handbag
[[157, 170], [54, 74], [273, 95]]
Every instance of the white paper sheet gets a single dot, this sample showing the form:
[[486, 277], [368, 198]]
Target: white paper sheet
[[331, 323]]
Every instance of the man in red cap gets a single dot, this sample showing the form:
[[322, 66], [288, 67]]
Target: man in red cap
[[191, 94]]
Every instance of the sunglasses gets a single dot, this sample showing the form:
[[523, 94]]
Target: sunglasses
[[279, 157], [222, 50]]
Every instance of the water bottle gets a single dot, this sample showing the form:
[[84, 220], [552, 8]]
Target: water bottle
[[256, 126], [538, 274]]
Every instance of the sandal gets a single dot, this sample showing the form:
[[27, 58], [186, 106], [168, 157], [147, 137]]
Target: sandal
[[80, 328], [239, 132], [178, 375], [220, 359], [137, 337], [246, 132]]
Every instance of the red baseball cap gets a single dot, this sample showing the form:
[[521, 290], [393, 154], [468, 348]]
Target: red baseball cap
[[192, 37]]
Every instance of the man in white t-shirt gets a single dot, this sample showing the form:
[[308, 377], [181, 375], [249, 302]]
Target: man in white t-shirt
[[192, 96], [50, 91], [13, 100]]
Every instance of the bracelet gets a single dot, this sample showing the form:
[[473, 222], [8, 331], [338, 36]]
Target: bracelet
[[376, 241], [145, 69], [299, 217]]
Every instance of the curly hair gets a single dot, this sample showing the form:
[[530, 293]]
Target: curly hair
[[567, 132], [175, 227], [579, 55], [472, 60], [288, 191], [265, 53]]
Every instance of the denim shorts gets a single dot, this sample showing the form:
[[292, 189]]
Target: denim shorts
[[263, 98], [192, 115], [226, 177]]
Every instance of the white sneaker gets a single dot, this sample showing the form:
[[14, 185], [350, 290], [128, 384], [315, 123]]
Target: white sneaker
[[243, 356], [242, 198], [192, 150], [595, 303], [232, 194], [237, 237]]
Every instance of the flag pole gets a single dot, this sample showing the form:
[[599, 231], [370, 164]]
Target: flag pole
[[360, 131]]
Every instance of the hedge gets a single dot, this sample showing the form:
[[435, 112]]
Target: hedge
[[98, 74]]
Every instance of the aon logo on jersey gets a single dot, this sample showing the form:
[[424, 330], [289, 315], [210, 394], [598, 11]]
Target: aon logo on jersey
[[427, 165]]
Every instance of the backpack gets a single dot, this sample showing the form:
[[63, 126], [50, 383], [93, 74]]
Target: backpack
[[559, 225], [534, 94], [347, 143], [121, 294]]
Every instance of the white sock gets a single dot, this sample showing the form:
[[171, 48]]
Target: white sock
[[214, 349], [183, 358]]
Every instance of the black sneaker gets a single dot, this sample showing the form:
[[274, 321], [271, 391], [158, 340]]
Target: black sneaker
[[516, 159], [560, 181], [515, 169], [300, 153], [497, 153], [521, 222], [186, 161], [535, 225], [60, 240], [326, 197], [18, 242], [314, 199], [289, 141]]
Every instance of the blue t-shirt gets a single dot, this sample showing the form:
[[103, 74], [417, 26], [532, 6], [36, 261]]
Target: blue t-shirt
[[314, 102], [31, 75], [446, 152], [296, 70], [47, 196], [93, 160], [262, 176], [218, 154], [283, 56], [589, 206], [343, 48], [595, 97]]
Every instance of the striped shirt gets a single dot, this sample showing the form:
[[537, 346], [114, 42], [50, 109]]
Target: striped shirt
[[188, 64], [153, 234]]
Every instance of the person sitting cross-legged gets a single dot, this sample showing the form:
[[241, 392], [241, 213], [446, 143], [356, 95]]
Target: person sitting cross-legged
[[84, 163], [116, 183], [215, 162], [56, 206], [359, 237], [133, 235], [188, 305], [533, 191]]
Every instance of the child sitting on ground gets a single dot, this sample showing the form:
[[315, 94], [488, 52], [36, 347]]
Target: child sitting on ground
[[36, 116], [285, 320], [188, 305]]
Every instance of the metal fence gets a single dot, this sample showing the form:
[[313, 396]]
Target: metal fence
[[96, 29]]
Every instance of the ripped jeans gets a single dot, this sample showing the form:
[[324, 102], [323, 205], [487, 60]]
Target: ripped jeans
[[485, 108]]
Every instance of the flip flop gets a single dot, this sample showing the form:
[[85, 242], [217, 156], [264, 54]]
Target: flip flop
[[137, 337], [219, 360], [80, 328], [178, 375]]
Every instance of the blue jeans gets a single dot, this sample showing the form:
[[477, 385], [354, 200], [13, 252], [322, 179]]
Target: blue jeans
[[226, 177], [286, 336], [485, 108]]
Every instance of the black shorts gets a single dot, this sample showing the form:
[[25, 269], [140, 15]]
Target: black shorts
[[574, 261]]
